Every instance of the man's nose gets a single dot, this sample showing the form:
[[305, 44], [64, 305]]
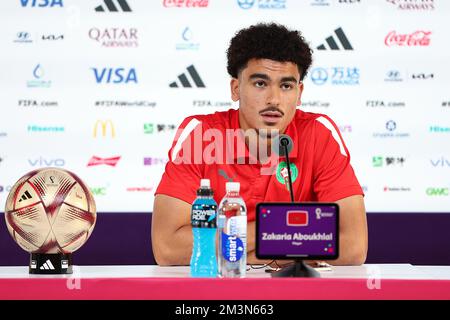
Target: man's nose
[[273, 97]]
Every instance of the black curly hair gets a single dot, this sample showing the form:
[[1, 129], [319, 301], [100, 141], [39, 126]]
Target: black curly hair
[[268, 41]]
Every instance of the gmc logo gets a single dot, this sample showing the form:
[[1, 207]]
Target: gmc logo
[[297, 218]]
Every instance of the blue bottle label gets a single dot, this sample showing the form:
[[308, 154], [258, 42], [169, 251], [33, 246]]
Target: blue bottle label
[[204, 216], [232, 247]]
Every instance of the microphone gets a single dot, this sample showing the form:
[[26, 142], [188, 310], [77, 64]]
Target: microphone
[[282, 146]]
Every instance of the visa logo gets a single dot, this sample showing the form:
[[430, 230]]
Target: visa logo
[[297, 218], [115, 75], [442, 162], [42, 162], [41, 3]]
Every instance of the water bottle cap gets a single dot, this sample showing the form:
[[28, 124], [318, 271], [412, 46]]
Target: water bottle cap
[[205, 183], [232, 186]]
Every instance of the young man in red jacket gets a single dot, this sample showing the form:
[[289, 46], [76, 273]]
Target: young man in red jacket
[[267, 63]]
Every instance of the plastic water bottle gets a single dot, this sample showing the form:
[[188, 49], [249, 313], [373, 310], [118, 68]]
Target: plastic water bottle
[[232, 227], [204, 230]]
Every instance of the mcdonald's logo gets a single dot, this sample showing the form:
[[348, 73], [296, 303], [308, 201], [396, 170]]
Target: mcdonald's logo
[[104, 125]]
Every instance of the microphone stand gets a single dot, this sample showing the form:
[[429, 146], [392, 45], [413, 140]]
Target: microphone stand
[[299, 268]]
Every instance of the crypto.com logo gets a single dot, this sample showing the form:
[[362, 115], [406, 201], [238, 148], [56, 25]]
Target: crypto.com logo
[[213, 146]]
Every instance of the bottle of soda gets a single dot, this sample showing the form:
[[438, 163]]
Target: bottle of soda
[[232, 228], [204, 229]]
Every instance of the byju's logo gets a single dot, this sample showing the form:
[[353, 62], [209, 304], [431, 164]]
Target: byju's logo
[[115, 37], [23, 37], [39, 78], [115, 75], [104, 125], [184, 81], [262, 4], [332, 41], [344, 76], [441, 162], [110, 5], [41, 3], [188, 42]]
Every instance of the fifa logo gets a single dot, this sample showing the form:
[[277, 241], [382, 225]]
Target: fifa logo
[[104, 125]]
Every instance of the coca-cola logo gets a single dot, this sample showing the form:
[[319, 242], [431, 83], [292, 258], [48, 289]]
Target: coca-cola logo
[[417, 38], [186, 3]]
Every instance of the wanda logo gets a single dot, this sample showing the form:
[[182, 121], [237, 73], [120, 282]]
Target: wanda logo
[[418, 38]]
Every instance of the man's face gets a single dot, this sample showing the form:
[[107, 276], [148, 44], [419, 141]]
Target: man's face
[[268, 92]]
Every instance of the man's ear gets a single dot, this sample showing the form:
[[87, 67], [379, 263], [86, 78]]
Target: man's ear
[[234, 86], [300, 91]]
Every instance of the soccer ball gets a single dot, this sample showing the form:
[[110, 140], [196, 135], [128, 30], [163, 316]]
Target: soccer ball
[[50, 211]]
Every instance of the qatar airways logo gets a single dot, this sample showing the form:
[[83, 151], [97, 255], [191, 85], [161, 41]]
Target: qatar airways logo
[[418, 38], [185, 3], [97, 161], [411, 5]]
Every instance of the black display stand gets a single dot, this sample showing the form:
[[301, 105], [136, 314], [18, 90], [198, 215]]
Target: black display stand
[[47, 263], [298, 269]]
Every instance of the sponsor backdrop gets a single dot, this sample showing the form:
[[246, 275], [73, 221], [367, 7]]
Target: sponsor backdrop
[[99, 87]]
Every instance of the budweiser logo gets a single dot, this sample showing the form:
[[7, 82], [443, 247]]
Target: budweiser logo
[[186, 3], [418, 38], [96, 161]]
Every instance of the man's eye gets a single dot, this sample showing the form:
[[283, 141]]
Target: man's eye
[[260, 84], [286, 86]]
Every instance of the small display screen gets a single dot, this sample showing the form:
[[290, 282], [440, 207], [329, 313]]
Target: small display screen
[[297, 230]]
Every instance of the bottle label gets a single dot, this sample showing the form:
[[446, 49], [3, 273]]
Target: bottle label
[[203, 216], [232, 247]]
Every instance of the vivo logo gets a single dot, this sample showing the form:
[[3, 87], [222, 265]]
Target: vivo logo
[[41, 3], [442, 162], [115, 75], [42, 162]]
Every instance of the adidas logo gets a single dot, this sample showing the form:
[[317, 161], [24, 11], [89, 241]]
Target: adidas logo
[[47, 265], [331, 42], [25, 196], [184, 81], [113, 8]]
